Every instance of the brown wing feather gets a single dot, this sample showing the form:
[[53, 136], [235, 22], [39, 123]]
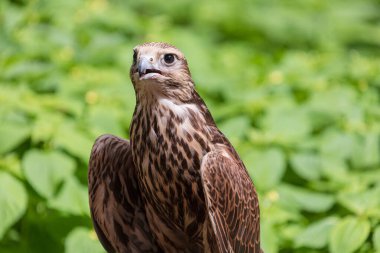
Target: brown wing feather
[[232, 204], [115, 202]]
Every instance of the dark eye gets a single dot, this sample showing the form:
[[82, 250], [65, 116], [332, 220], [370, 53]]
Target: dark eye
[[134, 56], [169, 58]]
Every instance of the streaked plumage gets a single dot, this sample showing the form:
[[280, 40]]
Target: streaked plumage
[[179, 185]]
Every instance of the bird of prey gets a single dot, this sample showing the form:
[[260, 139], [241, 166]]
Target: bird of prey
[[178, 185]]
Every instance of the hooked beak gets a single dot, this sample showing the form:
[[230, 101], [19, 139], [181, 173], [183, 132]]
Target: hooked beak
[[145, 67]]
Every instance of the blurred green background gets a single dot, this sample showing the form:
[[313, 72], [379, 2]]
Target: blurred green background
[[294, 84]]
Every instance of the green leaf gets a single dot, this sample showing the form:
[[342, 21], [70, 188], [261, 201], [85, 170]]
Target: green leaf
[[27, 70], [276, 213], [269, 238], [316, 234], [74, 141], [287, 124], [349, 234], [337, 144], [104, 120], [266, 167], [13, 201], [46, 170], [367, 153], [334, 101], [334, 168], [72, 198], [11, 135], [306, 165], [82, 239], [290, 231], [376, 238], [305, 199], [45, 126], [235, 127], [12, 164], [366, 202]]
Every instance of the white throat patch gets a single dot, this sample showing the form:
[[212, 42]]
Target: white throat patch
[[179, 110]]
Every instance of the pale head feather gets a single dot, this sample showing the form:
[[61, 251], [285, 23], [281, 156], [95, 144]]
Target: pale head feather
[[171, 81]]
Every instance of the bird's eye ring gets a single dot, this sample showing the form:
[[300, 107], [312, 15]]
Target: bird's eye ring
[[169, 58]]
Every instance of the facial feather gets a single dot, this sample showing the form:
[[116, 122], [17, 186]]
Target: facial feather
[[164, 79]]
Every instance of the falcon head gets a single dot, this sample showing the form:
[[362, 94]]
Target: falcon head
[[161, 70]]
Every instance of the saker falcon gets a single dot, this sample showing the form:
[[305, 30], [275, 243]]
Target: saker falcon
[[178, 185]]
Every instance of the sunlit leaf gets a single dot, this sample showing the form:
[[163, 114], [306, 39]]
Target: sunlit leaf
[[316, 234], [12, 135], [46, 126], [334, 101], [27, 70], [290, 231], [102, 120], [13, 201], [269, 238], [367, 202], [82, 239], [349, 234], [305, 199], [334, 168], [74, 141], [71, 199], [367, 153], [336, 144], [306, 165], [266, 167], [376, 238], [287, 124], [45, 171], [235, 127]]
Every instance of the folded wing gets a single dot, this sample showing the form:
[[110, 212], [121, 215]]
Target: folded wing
[[116, 206], [232, 204]]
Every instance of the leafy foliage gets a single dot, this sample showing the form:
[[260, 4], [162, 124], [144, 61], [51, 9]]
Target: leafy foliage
[[293, 84]]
